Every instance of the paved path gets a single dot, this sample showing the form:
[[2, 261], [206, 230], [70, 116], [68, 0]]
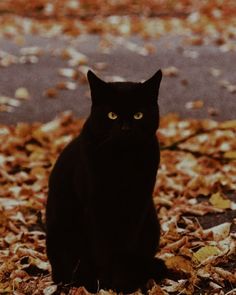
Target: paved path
[[127, 59]]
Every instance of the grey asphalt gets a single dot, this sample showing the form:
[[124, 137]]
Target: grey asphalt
[[193, 81]]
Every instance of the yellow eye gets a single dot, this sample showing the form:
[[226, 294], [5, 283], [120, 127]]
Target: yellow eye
[[112, 116], [138, 116]]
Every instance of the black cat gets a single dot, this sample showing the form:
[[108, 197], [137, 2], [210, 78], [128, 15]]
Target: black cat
[[102, 226]]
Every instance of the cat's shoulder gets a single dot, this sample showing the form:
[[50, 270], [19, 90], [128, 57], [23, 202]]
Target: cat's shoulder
[[69, 155]]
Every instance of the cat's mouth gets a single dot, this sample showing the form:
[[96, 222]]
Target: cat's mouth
[[123, 140]]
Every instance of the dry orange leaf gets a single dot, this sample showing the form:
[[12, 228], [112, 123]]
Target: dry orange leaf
[[230, 155], [170, 71], [156, 290], [228, 124], [51, 92], [231, 277], [179, 263], [197, 104], [68, 85], [27, 153]]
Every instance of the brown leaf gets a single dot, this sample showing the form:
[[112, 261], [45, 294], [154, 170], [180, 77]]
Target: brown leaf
[[51, 92], [170, 71], [197, 104], [179, 264]]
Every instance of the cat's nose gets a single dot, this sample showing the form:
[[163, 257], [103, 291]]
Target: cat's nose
[[125, 127]]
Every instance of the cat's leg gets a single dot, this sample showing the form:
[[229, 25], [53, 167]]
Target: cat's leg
[[86, 272], [64, 239], [62, 255], [135, 272], [125, 275], [158, 270], [71, 260]]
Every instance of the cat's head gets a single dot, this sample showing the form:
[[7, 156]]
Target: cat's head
[[124, 111]]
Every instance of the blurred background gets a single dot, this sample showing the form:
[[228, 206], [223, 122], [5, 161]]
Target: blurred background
[[47, 47]]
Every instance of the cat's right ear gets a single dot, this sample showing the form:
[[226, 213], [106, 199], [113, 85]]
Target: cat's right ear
[[94, 81], [96, 85]]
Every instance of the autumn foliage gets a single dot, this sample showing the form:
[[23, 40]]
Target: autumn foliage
[[196, 183], [195, 190], [86, 8]]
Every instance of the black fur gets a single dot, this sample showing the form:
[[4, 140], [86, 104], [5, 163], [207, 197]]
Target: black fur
[[102, 226]]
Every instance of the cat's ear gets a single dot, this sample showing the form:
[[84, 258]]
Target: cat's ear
[[94, 81], [97, 86], [152, 85]]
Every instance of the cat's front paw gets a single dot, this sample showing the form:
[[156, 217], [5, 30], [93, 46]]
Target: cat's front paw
[[159, 270], [60, 276]]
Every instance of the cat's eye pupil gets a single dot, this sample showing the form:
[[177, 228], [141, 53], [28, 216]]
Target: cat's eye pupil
[[112, 116], [138, 115]]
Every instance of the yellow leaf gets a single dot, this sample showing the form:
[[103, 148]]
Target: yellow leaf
[[22, 93], [5, 288], [205, 252], [230, 155], [228, 124], [218, 201]]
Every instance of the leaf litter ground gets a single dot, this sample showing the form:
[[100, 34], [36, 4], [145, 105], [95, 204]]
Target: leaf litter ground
[[195, 190], [194, 197]]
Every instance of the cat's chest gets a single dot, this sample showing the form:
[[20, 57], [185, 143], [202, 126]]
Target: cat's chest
[[123, 169], [116, 162]]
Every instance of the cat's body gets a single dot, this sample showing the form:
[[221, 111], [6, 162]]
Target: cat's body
[[102, 227]]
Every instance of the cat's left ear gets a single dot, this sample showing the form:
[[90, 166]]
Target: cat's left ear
[[152, 85]]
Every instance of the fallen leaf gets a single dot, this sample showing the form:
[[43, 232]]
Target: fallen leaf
[[218, 201], [100, 66], [170, 71], [50, 290], [213, 111], [32, 50], [22, 93], [230, 155], [205, 252], [195, 41], [191, 54], [215, 286], [66, 85], [228, 124], [197, 104], [12, 102], [179, 264], [173, 286], [51, 92], [68, 73], [215, 72], [220, 232], [115, 79], [231, 277], [75, 57]]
